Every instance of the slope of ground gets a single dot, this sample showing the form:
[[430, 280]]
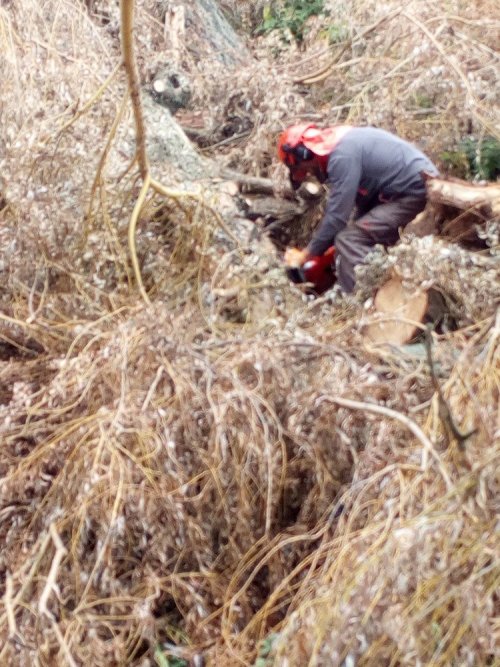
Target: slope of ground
[[231, 474]]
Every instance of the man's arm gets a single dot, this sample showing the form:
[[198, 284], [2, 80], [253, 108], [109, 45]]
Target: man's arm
[[344, 175]]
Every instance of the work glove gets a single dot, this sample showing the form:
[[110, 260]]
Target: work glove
[[294, 257]]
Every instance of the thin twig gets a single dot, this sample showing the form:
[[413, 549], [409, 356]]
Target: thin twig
[[92, 101], [131, 235], [321, 74], [403, 419], [9, 609], [50, 587], [444, 408], [105, 153], [63, 644], [51, 578], [475, 104]]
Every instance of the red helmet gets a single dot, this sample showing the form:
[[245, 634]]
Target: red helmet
[[317, 142], [289, 140]]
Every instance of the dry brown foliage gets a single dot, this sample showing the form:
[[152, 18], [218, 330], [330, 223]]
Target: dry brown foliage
[[233, 462]]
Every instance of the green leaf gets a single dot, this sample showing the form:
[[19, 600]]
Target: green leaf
[[289, 17], [267, 645], [267, 13], [164, 660]]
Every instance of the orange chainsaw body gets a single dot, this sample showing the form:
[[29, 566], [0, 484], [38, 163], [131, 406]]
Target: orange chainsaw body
[[318, 271]]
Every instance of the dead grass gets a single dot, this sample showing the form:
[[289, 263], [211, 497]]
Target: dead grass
[[197, 475]]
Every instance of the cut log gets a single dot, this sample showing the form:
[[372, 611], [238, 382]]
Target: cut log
[[483, 199], [309, 190], [255, 184], [424, 224], [397, 313], [171, 88], [272, 209], [457, 207]]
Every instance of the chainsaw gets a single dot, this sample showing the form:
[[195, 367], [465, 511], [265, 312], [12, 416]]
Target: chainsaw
[[318, 271]]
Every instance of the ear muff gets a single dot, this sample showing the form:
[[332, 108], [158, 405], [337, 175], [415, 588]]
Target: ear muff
[[303, 154], [296, 154]]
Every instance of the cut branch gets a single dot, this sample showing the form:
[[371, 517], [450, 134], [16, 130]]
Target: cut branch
[[459, 206], [483, 199], [309, 190], [254, 184]]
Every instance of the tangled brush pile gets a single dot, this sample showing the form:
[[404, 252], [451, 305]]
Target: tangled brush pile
[[158, 489], [182, 484]]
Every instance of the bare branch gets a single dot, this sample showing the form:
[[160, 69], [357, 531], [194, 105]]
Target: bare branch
[[402, 419]]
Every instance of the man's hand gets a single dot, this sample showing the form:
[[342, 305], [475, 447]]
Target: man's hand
[[294, 257]]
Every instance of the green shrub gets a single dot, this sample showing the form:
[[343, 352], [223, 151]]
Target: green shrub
[[163, 659], [289, 17], [475, 158], [336, 32], [264, 658]]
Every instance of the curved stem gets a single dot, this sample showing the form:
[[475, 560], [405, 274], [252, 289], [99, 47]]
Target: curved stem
[[131, 235], [127, 28]]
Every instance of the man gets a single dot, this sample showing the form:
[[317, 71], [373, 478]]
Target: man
[[364, 167]]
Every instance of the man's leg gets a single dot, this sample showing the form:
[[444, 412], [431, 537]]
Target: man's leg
[[352, 245], [380, 225]]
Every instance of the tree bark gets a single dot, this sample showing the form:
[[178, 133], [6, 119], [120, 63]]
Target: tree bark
[[455, 209], [483, 200]]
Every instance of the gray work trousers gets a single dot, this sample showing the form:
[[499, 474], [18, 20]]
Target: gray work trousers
[[380, 224]]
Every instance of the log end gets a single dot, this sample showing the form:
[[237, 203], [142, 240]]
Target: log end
[[397, 311]]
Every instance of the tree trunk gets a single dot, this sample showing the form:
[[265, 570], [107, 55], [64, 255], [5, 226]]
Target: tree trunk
[[200, 30], [484, 200], [455, 209]]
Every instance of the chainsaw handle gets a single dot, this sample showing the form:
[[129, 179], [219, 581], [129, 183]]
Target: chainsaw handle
[[296, 274]]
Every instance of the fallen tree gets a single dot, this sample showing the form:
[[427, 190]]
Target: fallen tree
[[457, 210]]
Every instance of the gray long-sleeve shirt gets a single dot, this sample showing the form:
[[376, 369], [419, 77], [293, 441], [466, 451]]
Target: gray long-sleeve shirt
[[368, 166]]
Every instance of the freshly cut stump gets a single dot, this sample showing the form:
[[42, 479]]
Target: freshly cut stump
[[400, 311]]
